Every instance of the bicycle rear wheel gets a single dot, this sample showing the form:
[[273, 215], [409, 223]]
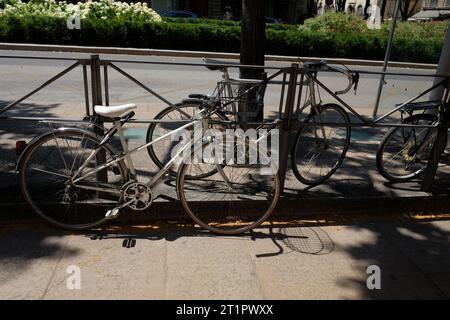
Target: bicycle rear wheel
[[404, 151], [235, 199], [319, 149], [46, 169]]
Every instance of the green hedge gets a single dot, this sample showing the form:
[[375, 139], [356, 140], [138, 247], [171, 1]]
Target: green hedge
[[224, 36]]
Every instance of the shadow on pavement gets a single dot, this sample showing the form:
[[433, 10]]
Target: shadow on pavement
[[414, 260], [300, 239], [22, 249], [14, 130]]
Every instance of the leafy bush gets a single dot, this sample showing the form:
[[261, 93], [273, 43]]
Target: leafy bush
[[429, 29], [109, 24], [102, 9], [348, 36], [335, 22]]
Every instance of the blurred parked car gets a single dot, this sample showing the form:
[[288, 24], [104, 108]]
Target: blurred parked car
[[273, 20], [180, 14]]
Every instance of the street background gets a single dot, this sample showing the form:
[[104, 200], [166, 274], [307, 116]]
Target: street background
[[323, 257]]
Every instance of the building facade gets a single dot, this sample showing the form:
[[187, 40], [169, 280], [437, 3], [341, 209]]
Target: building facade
[[291, 11], [436, 4], [370, 7], [434, 9]]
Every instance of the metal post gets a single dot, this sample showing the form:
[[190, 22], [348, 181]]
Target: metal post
[[442, 68], [441, 140], [287, 117], [96, 84], [86, 91], [96, 81], [435, 157], [105, 79], [386, 56]]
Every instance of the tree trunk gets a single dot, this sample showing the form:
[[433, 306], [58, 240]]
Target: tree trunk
[[311, 6], [340, 5], [366, 15], [383, 9], [252, 51], [404, 8]]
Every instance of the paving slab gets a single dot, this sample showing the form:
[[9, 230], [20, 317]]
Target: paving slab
[[312, 260]]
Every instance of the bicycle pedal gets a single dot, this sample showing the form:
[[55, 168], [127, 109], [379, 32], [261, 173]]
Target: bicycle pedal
[[111, 214]]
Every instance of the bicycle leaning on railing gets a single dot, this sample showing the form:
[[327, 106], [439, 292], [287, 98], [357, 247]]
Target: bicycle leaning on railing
[[404, 151], [76, 179], [318, 149], [323, 139]]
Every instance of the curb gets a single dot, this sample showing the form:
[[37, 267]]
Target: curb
[[287, 207], [200, 54]]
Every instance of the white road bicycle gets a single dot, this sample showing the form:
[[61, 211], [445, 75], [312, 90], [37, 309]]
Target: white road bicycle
[[76, 179]]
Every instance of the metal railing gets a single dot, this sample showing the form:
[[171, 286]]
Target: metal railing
[[291, 90]]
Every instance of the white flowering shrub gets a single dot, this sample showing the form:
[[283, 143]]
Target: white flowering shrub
[[102, 9]]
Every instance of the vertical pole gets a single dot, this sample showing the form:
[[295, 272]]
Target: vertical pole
[[287, 117], [253, 27], [96, 81], [442, 68], [441, 140], [386, 56], [96, 84], [435, 157], [105, 79], [252, 37], [86, 90]]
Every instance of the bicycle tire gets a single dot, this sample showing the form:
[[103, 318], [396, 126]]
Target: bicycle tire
[[299, 145], [246, 205], [388, 138], [47, 200]]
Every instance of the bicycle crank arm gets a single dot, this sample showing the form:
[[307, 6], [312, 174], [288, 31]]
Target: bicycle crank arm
[[112, 213]]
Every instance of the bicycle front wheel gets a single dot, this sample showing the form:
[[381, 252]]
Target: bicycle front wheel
[[320, 147], [404, 151], [235, 199], [46, 170]]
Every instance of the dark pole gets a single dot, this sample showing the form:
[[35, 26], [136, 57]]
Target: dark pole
[[96, 83], [253, 35], [441, 140]]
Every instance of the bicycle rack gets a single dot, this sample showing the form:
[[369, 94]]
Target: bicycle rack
[[290, 99]]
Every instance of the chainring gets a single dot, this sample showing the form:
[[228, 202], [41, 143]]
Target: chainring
[[138, 196]]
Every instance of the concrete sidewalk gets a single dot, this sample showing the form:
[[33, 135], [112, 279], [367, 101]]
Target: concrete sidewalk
[[314, 260]]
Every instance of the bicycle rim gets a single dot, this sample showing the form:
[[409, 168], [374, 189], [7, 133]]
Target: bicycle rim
[[235, 199], [403, 153], [320, 149], [49, 164]]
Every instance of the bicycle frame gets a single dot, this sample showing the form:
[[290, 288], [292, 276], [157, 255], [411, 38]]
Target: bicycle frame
[[374, 122], [126, 155], [312, 101]]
